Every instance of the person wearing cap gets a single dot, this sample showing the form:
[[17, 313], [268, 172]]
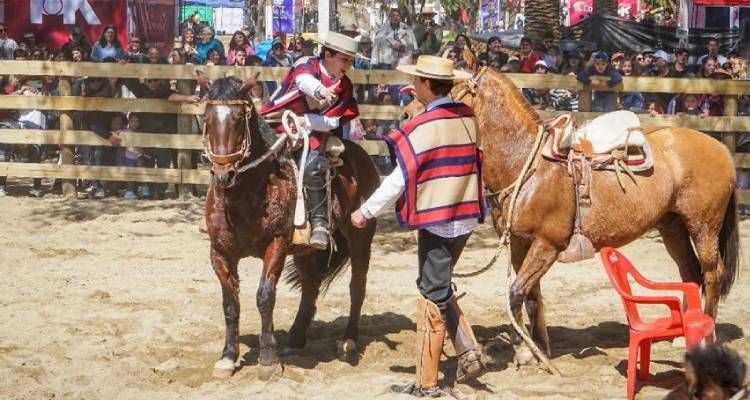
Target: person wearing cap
[[539, 98], [604, 101], [394, 40], [573, 63], [429, 36], [438, 186], [364, 52], [319, 91], [661, 64], [77, 39]]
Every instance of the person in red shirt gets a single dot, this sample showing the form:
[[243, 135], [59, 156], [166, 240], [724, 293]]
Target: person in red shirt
[[528, 56]]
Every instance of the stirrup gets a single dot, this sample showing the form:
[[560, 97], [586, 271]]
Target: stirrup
[[469, 367], [319, 238]]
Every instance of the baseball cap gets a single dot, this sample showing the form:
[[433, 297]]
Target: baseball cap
[[662, 54], [541, 63], [601, 56]]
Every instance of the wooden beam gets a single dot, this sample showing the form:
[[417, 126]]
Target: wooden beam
[[742, 160], [743, 196], [155, 140], [127, 174], [66, 124]]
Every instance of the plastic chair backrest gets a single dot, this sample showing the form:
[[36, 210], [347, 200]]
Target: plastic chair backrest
[[618, 268]]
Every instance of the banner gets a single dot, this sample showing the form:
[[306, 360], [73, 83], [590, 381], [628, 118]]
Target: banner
[[490, 14], [283, 16], [154, 23], [51, 20], [580, 9]]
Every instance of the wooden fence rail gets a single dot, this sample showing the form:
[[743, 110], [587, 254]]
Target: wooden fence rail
[[188, 139]]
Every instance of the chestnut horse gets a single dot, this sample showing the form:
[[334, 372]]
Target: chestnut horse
[[250, 212], [689, 196]]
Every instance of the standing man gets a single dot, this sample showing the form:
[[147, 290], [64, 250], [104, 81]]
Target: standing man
[[429, 35], [321, 93], [713, 50], [7, 45], [439, 190], [394, 40]]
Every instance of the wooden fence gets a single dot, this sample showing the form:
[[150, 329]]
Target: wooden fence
[[187, 139]]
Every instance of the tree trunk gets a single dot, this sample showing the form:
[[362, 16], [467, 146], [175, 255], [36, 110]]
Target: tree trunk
[[605, 7], [542, 16]]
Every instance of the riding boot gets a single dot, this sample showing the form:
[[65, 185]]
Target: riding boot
[[467, 349], [430, 337], [317, 198]]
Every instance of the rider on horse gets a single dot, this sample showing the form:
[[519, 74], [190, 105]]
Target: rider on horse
[[318, 89], [439, 188]]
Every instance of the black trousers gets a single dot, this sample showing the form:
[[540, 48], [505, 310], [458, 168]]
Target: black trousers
[[437, 257]]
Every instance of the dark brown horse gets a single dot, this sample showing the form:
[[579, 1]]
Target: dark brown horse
[[689, 196], [250, 213]]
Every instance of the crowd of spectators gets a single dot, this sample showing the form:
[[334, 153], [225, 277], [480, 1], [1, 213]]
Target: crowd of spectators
[[395, 43]]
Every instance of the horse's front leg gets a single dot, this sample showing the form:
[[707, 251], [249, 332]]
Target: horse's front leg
[[360, 243], [226, 270], [273, 263], [538, 260]]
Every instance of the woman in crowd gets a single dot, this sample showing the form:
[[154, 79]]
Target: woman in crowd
[[573, 63], [214, 58], [135, 52], [208, 42], [494, 56], [188, 44], [632, 101], [76, 40], [239, 42], [153, 57], [108, 46], [465, 53]]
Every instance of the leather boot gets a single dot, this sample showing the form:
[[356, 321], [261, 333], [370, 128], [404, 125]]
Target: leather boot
[[430, 337], [467, 348], [317, 199]]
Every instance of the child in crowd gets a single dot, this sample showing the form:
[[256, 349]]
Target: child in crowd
[[134, 157]]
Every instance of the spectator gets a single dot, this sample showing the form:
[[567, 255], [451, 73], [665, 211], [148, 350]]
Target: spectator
[[153, 56], [278, 57], [539, 98], [239, 58], [528, 57], [648, 62], [680, 68], [548, 41], [108, 46], [708, 67], [177, 57], [554, 59], [713, 51], [239, 42], [362, 61], [254, 61], [604, 101], [573, 63], [76, 40], [188, 45], [207, 43], [157, 122], [7, 45], [631, 101], [134, 157], [308, 48], [513, 66], [394, 40], [686, 104], [36, 55], [466, 57], [258, 94], [661, 64], [30, 39], [77, 54], [494, 56], [135, 52], [428, 35], [214, 58], [617, 59]]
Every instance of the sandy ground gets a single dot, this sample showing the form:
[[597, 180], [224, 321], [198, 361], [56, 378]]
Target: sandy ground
[[117, 300]]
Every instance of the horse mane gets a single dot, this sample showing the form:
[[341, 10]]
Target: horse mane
[[516, 100], [225, 89]]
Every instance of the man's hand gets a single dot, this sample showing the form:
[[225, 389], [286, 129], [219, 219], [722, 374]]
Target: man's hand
[[328, 94], [408, 89], [358, 219], [115, 139], [192, 99]]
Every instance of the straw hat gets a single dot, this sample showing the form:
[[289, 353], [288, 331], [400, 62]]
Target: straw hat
[[428, 9], [341, 43], [434, 68]]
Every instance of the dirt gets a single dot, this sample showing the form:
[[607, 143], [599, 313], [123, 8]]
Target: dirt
[[117, 300]]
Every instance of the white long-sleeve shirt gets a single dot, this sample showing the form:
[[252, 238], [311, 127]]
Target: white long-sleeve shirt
[[308, 85], [392, 187]]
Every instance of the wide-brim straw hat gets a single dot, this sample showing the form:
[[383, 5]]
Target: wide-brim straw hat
[[428, 9], [341, 43], [434, 68]]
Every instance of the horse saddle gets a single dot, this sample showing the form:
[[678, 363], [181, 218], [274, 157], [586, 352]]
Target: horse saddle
[[610, 141]]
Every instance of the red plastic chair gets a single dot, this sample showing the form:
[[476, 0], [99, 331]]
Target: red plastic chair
[[691, 323]]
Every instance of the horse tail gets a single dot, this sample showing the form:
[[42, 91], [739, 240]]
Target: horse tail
[[328, 265], [729, 245]]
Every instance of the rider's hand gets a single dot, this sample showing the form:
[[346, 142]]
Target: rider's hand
[[328, 94], [358, 219], [408, 89]]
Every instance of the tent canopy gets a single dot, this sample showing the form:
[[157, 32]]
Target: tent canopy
[[218, 3], [721, 2]]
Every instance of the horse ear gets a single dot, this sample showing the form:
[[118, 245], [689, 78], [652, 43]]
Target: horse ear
[[247, 84]]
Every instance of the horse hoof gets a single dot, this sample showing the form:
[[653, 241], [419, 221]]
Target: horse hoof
[[523, 356], [346, 349], [223, 369], [266, 372]]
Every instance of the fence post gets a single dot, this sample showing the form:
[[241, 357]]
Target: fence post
[[184, 127], [584, 99], [66, 151]]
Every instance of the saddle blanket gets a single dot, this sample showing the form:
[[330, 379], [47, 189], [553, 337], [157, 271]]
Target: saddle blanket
[[612, 136]]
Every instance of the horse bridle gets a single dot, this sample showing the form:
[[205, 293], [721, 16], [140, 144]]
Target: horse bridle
[[237, 157]]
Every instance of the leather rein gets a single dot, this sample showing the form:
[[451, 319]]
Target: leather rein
[[234, 160]]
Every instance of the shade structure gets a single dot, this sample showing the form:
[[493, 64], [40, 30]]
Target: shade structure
[[721, 2]]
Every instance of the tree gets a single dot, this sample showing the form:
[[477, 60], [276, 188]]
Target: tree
[[542, 16]]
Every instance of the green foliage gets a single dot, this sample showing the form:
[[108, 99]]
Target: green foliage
[[669, 6]]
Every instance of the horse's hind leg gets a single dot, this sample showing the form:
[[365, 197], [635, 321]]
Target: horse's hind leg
[[310, 278], [360, 246], [538, 260], [680, 248], [226, 270], [273, 263]]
